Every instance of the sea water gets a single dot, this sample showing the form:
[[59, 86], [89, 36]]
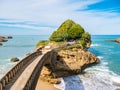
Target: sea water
[[103, 76], [19, 46]]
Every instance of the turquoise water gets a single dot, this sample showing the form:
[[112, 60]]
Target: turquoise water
[[103, 75], [109, 51], [17, 47], [99, 77]]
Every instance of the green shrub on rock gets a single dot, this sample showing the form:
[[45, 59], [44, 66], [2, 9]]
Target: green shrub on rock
[[69, 30], [41, 43]]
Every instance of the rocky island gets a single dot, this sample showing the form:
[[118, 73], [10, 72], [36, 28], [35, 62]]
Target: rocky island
[[4, 39], [71, 59]]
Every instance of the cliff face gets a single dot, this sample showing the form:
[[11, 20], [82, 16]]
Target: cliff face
[[68, 62]]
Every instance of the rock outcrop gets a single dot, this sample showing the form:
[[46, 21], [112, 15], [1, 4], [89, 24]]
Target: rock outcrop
[[68, 62], [117, 40], [15, 59], [2, 39]]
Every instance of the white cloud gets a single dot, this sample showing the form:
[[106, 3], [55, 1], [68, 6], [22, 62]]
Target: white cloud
[[54, 12]]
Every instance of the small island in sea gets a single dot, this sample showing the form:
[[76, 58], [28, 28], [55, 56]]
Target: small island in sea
[[73, 58], [4, 39]]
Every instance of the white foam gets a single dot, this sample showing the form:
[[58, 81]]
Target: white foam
[[105, 63], [60, 86], [92, 45], [100, 57], [115, 79]]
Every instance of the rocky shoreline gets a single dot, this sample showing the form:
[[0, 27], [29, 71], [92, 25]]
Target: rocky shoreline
[[4, 39]]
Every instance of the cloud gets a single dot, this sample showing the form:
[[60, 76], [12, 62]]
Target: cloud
[[49, 14]]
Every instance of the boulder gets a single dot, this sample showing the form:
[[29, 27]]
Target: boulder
[[15, 59], [0, 44], [2, 39]]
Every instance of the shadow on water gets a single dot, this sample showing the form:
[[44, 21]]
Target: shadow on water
[[73, 83], [94, 51]]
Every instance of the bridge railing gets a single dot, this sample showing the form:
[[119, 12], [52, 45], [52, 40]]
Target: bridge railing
[[12, 72], [32, 81]]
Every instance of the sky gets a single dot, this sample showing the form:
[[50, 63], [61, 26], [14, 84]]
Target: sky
[[42, 17]]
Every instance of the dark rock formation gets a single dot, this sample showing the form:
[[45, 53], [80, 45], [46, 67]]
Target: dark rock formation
[[0, 44], [68, 62], [15, 59], [2, 39]]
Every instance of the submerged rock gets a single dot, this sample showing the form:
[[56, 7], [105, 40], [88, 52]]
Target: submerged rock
[[15, 59]]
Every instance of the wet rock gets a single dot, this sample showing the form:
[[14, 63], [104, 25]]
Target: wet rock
[[1, 44], [15, 59], [2, 39]]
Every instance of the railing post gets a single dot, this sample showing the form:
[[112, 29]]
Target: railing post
[[6, 79], [1, 86], [3, 83]]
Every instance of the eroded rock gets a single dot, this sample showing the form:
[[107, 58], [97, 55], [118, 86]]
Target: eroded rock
[[68, 62]]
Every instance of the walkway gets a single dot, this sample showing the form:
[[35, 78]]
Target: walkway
[[23, 75]]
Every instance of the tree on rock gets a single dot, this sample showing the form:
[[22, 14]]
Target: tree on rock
[[69, 30]]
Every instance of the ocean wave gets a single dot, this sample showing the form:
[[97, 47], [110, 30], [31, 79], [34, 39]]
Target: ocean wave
[[100, 78], [92, 45], [100, 57], [60, 86], [95, 78]]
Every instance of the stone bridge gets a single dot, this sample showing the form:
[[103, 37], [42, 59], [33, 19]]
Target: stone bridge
[[25, 74]]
